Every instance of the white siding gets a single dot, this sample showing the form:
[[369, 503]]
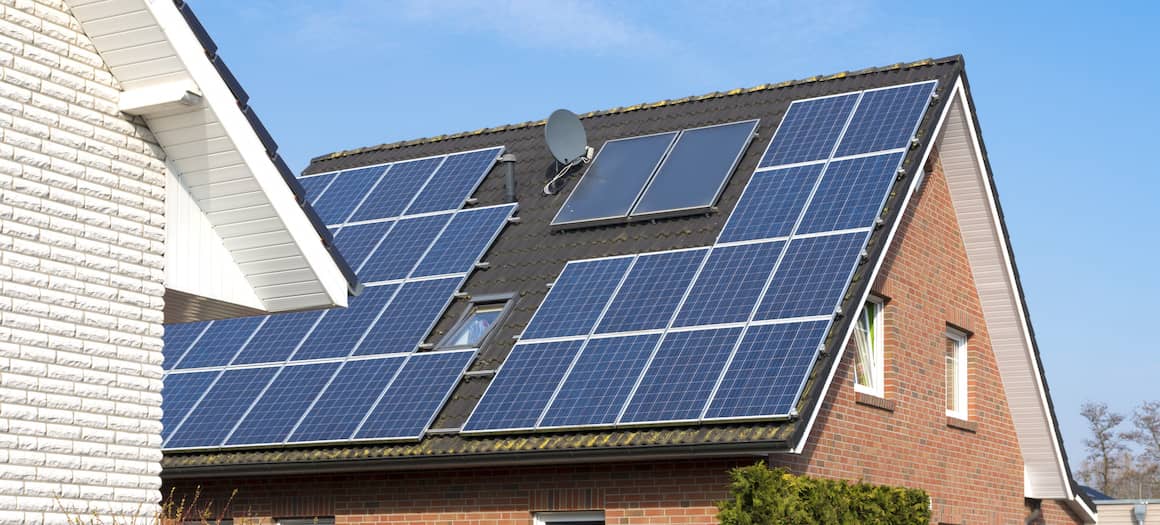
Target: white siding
[[82, 239]]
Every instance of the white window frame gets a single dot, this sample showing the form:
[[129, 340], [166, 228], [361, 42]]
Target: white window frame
[[548, 518], [878, 342], [960, 392]]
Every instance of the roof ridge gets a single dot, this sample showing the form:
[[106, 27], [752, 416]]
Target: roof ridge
[[645, 105]]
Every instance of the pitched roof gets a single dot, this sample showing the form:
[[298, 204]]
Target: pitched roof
[[528, 256]]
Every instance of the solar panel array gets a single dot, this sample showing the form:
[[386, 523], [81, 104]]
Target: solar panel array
[[357, 372], [728, 332]]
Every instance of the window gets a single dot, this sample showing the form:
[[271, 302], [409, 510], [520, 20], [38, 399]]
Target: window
[[569, 518], [476, 323], [956, 371], [869, 362]]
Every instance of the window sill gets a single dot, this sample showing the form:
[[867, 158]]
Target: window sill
[[874, 401], [962, 424]]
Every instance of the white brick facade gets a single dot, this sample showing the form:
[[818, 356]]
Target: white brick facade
[[81, 280]]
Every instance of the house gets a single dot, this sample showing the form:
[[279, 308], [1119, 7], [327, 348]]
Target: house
[[814, 274], [1126, 511], [137, 188]]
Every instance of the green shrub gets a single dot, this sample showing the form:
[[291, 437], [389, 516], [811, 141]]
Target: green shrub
[[759, 495]]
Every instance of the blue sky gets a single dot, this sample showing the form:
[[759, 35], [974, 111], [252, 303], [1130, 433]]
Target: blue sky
[[1065, 95]]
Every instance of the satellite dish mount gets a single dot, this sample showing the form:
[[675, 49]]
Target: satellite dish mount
[[568, 143]]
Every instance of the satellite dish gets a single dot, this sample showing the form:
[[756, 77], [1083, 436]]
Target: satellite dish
[[566, 137]]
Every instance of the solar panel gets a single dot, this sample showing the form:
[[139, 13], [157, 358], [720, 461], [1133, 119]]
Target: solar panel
[[211, 420], [729, 284], [652, 291], [277, 338], [409, 317], [520, 391], [851, 193], [178, 338], [274, 414], [454, 181], [768, 370], [356, 241], [181, 392], [347, 190], [397, 255], [885, 119], [349, 396], [340, 330], [812, 277], [772, 202], [416, 395], [810, 130], [464, 240], [696, 170], [396, 189], [577, 298], [315, 185], [615, 179], [220, 343], [599, 383], [679, 380]]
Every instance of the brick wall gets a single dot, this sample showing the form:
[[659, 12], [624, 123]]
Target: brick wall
[[974, 474], [81, 280]]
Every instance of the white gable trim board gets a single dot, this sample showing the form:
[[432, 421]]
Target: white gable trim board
[[984, 237], [222, 167]]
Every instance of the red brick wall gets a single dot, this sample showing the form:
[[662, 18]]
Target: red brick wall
[[973, 476]]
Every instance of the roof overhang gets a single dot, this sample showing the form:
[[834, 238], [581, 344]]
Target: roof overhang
[[239, 241], [984, 234]]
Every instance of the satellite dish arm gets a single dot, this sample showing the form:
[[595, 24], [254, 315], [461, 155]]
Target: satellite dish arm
[[583, 159]]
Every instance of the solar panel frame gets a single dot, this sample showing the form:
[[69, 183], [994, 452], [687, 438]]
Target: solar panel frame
[[325, 371], [186, 380], [849, 180], [614, 320], [349, 195], [775, 181], [403, 247], [627, 383], [592, 221], [851, 244], [555, 331], [236, 333], [356, 242], [727, 271], [279, 333], [900, 140], [228, 409], [418, 205], [668, 155], [384, 293], [467, 356], [390, 366], [371, 335], [784, 127], [396, 203], [310, 184], [566, 350], [423, 267]]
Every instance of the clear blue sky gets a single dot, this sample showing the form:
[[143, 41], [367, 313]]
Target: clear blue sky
[[1066, 95]]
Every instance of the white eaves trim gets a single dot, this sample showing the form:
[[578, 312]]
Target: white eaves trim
[[1046, 475], [221, 165]]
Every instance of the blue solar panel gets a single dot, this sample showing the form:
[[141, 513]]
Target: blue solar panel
[[851, 193], [409, 317], [464, 240], [812, 277], [652, 291], [339, 330], [455, 181], [517, 395], [282, 404], [416, 395], [338, 411], [772, 202], [356, 242], [885, 119], [729, 284], [681, 376], [211, 420], [277, 338], [315, 185], [600, 381], [809, 130], [220, 343], [768, 370], [177, 339], [347, 190], [179, 393], [404, 246], [396, 189], [577, 297]]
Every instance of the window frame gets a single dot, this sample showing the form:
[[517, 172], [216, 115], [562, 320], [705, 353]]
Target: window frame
[[548, 518], [474, 304], [879, 343], [961, 391]]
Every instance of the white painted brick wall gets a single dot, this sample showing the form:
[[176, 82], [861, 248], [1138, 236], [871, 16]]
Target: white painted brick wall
[[81, 239]]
